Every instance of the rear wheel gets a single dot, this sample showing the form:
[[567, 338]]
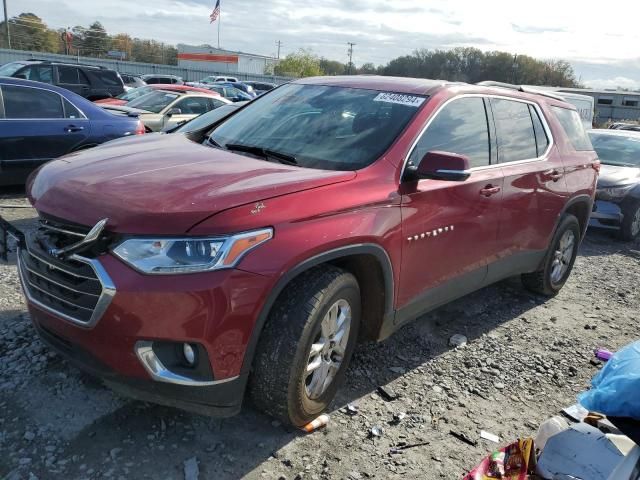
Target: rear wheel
[[558, 263], [630, 228], [306, 345]]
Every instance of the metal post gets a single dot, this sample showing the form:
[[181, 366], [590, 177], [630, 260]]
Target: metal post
[[219, 22], [6, 23], [351, 45], [279, 44]]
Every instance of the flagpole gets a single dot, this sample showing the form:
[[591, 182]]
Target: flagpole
[[219, 22]]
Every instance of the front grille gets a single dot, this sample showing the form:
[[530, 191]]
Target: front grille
[[75, 288]]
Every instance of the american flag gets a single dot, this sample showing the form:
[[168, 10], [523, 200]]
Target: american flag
[[216, 12]]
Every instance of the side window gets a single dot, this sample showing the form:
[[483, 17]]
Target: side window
[[37, 73], [68, 75], [82, 78], [460, 127], [193, 105], [26, 102], [516, 138], [108, 77], [70, 111], [542, 141], [215, 103], [572, 126]]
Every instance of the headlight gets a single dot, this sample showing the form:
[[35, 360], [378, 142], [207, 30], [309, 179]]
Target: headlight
[[162, 256], [614, 193]]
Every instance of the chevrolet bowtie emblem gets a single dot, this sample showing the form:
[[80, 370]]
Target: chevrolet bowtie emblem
[[91, 237]]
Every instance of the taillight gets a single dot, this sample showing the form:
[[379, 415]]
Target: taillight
[[140, 128]]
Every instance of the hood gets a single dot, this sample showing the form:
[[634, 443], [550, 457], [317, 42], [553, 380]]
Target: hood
[[611, 176], [110, 101], [162, 184]]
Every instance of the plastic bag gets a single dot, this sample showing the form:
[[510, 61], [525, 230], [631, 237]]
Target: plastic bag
[[548, 429], [615, 389]]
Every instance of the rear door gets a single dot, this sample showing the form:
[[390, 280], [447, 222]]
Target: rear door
[[535, 189], [190, 107], [450, 228], [38, 125], [72, 78]]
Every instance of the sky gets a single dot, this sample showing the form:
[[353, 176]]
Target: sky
[[601, 43]]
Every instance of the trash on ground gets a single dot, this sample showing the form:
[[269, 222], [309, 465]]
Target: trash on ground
[[352, 409], [489, 436], [581, 452], [376, 431], [603, 354], [314, 425], [387, 393], [398, 417], [400, 447], [191, 470], [615, 388], [463, 437], [576, 412], [548, 429], [457, 340], [513, 462]]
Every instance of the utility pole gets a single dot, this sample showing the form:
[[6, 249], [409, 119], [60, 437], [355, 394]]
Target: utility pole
[[279, 44], [6, 23], [514, 69], [351, 45]]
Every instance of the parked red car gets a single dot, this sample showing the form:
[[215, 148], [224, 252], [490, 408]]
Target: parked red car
[[140, 91], [325, 211]]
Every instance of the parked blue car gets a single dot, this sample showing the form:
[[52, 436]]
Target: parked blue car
[[40, 122], [248, 89]]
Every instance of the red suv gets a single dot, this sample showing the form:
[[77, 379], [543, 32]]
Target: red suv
[[186, 270]]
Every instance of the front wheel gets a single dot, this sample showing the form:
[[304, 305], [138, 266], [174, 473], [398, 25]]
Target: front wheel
[[630, 228], [306, 345], [559, 260]]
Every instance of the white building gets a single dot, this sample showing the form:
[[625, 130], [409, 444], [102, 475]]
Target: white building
[[223, 61]]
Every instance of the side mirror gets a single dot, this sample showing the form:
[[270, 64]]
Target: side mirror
[[443, 166], [174, 111]]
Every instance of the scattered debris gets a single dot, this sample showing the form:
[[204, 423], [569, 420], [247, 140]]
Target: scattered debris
[[463, 437], [457, 340], [595, 362], [376, 431], [603, 354], [314, 425], [352, 409], [576, 412], [489, 436], [405, 446], [513, 462], [387, 393], [548, 429], [191, 470], [398, 417]]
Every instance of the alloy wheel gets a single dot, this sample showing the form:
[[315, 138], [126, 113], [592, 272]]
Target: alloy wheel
[[327, 351], [562, 256]]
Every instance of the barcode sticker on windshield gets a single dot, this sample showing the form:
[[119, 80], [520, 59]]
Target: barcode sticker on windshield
[[402, 99]]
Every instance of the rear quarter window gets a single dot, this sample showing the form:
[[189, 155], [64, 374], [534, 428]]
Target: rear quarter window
[[109, 78], [573, 128]]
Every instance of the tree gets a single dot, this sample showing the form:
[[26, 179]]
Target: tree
[[367, 69], [332, 67], [29, 32], [300, 64], [96, 41]]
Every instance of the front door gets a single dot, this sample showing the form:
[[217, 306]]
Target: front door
[[450, 228], [74, 79]]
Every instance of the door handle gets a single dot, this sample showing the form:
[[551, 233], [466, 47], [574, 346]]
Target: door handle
[[555, 175], [489, 190], [73, 128]]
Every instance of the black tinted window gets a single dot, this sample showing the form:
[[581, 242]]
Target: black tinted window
[[460, 127], [70, 111], [572, 126], [25, 102], [37, 73], [68, 75], [108, 77], [194, 105], [82, 78], [542, 141], [516, 138]]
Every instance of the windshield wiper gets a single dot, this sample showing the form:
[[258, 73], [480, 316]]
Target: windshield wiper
[[263, 152]]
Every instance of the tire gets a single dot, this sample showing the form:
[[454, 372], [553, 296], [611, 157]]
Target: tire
[[551, 277], [630, 227], [279, 384]]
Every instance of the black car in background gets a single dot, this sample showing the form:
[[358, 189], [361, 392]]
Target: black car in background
[[617, 204], [152, 78], [88, 81], [261, 87]]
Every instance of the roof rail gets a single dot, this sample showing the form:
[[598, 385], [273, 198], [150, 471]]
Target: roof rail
[[44, 60], [520, 88]]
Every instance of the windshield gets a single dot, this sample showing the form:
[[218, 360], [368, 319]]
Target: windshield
[[135, 93], [10, 68], [153, 102], [206, 119], [331, 128], [619, 150]]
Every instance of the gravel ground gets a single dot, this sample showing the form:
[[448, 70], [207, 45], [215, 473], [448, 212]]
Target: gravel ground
[[526, 358]]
